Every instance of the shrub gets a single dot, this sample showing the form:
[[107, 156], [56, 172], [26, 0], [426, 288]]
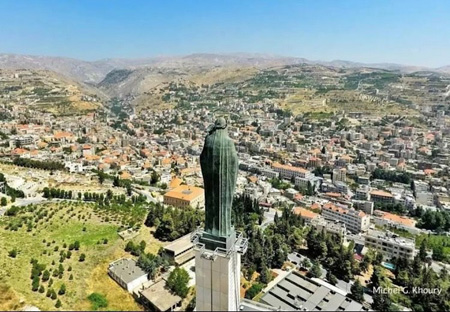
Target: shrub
[[62, 290], [12, 253], [98, 301], [253, 291]]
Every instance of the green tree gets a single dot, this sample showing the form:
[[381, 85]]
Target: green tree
[[35, 283], [377, 277], [331, 278], [45, 276], [13, 253], [62, 290], [306, 263], [438, 253], [315, 270], [423, 250], [178, 282], [381, 302], [82, 257], [58, 304], [402, 278], [98, 301], [254, 290], [154, 178], [4, 202], [116, 181], [265, 277], [357, 291], [101, 177]]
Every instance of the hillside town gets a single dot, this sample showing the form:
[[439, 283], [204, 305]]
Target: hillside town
[[378, 180]]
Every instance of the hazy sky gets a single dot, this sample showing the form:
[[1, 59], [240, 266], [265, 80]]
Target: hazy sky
[[398, 31]]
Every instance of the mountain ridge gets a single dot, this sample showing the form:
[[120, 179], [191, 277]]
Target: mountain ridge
[[96, 71]]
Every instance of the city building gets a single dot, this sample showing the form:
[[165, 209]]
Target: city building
[[354, 220], [383, 218], [339, 174], [379, 196], [390, 245], [333, 227], [287, 171], [185, 196], [305, 214]]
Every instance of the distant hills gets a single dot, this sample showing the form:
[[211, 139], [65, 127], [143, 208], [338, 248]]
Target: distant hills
[[95, 71]]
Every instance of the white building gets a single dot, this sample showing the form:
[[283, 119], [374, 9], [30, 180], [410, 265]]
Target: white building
[[127, 274], [390, 245], [354, 220], [287, 172], [269, 173], [339, 174]]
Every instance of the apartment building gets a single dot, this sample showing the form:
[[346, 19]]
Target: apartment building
[[354, 220], [339, 174], [390, 245], [379, 196], [287, 171]]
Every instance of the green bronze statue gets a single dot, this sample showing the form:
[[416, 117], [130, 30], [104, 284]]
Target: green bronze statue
[[219, 165]]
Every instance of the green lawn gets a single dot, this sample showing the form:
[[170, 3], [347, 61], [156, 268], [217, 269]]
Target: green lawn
[[71, 222]]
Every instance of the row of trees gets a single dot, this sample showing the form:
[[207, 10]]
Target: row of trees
[[38, 164], [396, 208], [9, 190], [393, 176], [57, 193], [100, 198], [172, 223], [434, 220]]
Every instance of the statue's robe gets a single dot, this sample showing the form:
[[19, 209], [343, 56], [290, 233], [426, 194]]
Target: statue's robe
[[219, 165]]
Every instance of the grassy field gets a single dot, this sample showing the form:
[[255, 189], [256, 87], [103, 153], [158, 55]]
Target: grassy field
[[63, 224]]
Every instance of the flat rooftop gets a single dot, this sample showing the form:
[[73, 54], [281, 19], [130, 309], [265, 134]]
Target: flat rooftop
[[391, 237], [180, 245], [297, 292], [160, 297], [126, 270]]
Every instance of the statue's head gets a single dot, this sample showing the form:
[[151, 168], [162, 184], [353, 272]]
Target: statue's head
[[221, 123]]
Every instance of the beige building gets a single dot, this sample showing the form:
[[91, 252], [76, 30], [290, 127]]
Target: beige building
[[340, 174], [287, 172], [185, 196], [355, 221], [390, 245], [379, 196]]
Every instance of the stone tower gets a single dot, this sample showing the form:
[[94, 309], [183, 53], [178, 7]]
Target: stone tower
[[218, 247]]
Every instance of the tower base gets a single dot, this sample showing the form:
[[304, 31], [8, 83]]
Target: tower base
[[218, 270], [217, 281]]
